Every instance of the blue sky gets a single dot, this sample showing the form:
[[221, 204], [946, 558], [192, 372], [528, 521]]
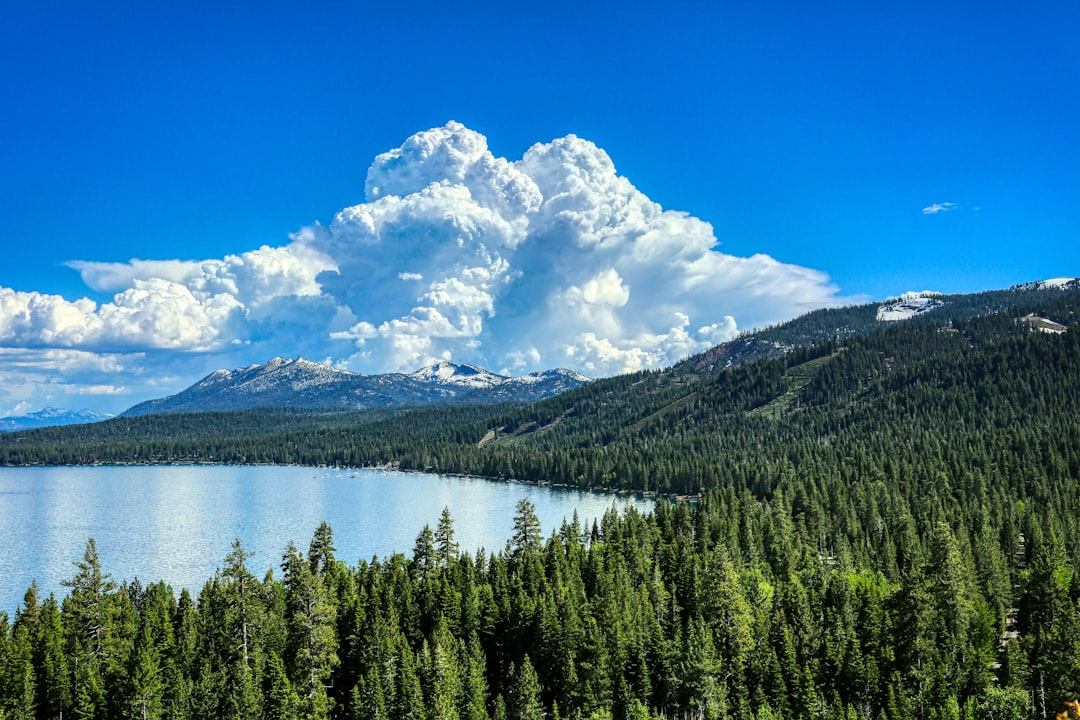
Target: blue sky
[[817, 137]]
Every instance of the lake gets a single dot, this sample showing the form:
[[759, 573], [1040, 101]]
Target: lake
[[177, 522]]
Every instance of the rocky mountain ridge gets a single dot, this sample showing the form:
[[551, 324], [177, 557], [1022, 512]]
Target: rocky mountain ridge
[[302, 384]]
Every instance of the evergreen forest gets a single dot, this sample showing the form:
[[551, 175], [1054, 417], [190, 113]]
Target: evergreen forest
[[882, 523]]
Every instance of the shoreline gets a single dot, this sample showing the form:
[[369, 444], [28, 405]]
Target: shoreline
[[386, 467]]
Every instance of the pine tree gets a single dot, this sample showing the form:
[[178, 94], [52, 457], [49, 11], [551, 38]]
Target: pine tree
[[312, 639], [526, 535], [408, 695], [321, 551], [281, 702], [524, 693], [445, 545], [475, 690], [88, 607], [146, 696], [54, 680], [89, 699], [442, 676], [241, 598], [17, 678], [424, 553]]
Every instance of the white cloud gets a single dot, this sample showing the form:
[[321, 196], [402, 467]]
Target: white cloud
[[605, 289], [115, 277], [65, 362], [19, 408], [98, 390], [455, 155], [555, 253], [936, 208], [253, 278], [32, 378], [519, 362], [717, 333], [550, 260], [178, 305]]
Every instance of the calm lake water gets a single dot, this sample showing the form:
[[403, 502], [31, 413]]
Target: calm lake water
[[177, 522]]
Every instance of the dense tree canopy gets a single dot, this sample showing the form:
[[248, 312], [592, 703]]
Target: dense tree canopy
[[802, 606], [885, 525]]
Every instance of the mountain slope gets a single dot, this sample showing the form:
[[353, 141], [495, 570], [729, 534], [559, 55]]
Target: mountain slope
[[897, 510], [303, 384], [855, 320], [882, 393], [973, 380]]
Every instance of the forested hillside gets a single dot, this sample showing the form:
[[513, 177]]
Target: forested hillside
[[899, 395], [811, 604], [888, 526]]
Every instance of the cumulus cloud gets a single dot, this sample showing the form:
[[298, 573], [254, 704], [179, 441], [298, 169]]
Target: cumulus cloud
[[553, 259], [936, 208], [32, 378], [252, 278], [550, 260], [155, 313], [191, 306]]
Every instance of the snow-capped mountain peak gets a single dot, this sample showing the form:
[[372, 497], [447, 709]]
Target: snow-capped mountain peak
[[51, 416], [909, 305], [557, 373], [1061, 283], [287, 382], [463, 375]]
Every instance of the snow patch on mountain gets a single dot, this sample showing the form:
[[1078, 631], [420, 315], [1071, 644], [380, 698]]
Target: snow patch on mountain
[[472, 377], [1061, 283], [909, 305], [461, 375], [1042, 324], [557, 373]]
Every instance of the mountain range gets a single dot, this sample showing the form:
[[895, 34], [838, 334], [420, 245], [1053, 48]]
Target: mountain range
[[827, 379], [49, 417], [297, 383], [902, 490]]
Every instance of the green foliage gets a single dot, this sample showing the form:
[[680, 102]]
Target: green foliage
[[664, 615], [885, 524], [526, 536]]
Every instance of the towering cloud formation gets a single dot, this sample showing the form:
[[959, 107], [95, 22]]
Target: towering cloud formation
[[551, 260]]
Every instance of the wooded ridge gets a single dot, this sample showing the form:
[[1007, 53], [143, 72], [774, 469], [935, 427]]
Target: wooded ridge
[[888, 526]]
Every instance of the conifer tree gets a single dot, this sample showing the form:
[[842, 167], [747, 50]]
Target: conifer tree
[[445, 545], [424, 557], [311, 617], [524, 693], [526, 535], [321, 550], [241, 599], [88, 606], [474, 690], [147, 692]]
